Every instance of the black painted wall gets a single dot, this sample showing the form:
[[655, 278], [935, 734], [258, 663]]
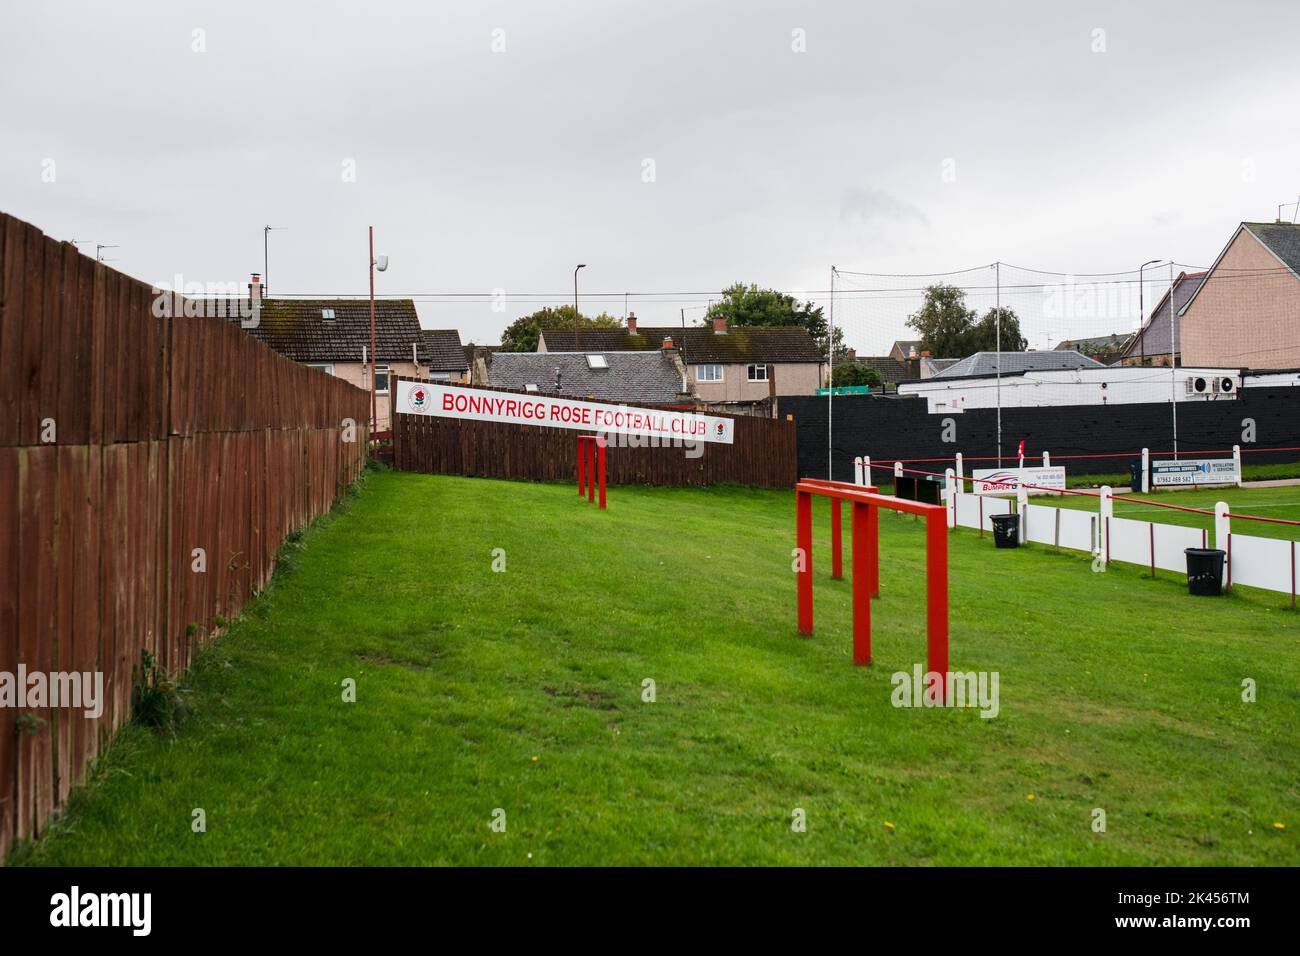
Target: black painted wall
[[888, 428]]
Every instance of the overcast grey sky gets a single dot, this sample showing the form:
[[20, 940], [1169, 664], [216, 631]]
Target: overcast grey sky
[[485, 170]]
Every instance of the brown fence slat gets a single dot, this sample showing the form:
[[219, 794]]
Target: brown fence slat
[[97, 528]]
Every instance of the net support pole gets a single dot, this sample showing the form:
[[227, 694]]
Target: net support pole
[[863, 534], [837, 543], [997, 325], [1146, 471], [591, 470], [936, 596], [803, 541], [830, 385]]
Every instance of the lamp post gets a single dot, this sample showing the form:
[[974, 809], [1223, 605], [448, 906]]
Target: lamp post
[[1142, 339], [581, 265], [381, 263]]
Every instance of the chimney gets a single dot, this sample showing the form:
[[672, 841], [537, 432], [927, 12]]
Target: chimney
[[853, 355], [631, 323], [255, 289], [720, 326], [925, 353], [668, 342]]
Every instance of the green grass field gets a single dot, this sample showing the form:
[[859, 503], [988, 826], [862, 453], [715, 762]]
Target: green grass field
[[523, 690]]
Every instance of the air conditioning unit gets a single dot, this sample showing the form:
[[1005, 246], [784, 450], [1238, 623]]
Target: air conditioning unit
[[1228, 385], [1199, 385]]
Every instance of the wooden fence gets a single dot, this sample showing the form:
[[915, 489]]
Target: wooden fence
[[763, 454], [127, 441]]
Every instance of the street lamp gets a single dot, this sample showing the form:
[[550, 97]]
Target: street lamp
[[581, 265], [381, 264], [1142, 339]]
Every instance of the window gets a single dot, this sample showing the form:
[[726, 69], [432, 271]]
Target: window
[[757, 373], [708, 373], [597, 361], [327, 314], [327, 369], [439, 376], [381, 378]]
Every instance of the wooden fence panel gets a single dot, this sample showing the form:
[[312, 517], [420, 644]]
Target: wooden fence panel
[[763, 453], [170, 432]]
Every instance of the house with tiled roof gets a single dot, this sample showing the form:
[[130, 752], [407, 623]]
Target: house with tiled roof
[[737, 366], [443, 356], [1245, 313], [1157, 343], [333, 335], [651, 377], [1106, 349]]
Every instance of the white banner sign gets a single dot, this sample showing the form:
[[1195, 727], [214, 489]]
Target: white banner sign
[[443, 401], [1195, 471], [1005, 481]]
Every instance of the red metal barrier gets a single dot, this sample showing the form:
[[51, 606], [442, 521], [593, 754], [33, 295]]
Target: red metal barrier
[[591, 468], [866, 503]]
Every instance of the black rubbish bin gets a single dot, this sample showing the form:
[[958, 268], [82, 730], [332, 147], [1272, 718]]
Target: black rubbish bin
[[1135, 476], [1006, 530], [1204, 571]]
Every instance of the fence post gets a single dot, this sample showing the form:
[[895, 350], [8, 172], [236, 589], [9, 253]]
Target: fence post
[[1222, 537], [837, 540], [1236, 462], [600, 454], [857, 470], [961, 474], [866, 469], [861, 530], [582, 468], [1022, 506], [1146, 471], [936, 599], [803, 541], [1103, 525], [898, 473], [1047, 459], [950, 489]]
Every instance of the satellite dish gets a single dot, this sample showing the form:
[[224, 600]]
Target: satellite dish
[[381, 263]]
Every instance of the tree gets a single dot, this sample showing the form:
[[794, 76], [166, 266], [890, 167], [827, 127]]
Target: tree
[[855, 373], [985, 337], [748, 305], [521, 335], [949, 329], [943, 322]]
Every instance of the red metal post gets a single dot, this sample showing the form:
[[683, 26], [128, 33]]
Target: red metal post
[[591, 469], [600, 454], [582, 466], [837, 544], [861, 531], [936, 595], [803, 540], [873, 548]]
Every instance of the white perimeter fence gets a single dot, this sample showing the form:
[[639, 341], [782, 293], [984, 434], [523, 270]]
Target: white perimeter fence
[[1267, 563]]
